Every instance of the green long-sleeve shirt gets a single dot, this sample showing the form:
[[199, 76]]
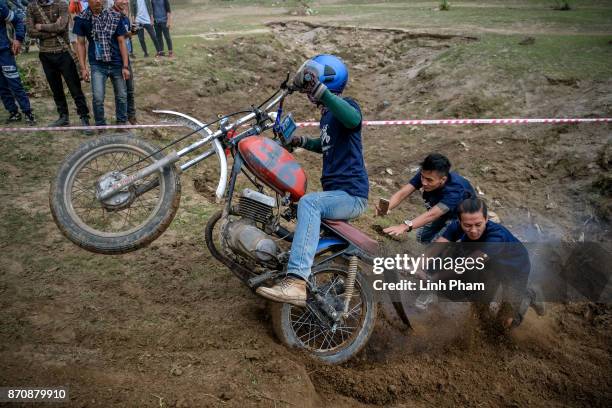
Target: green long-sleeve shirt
[[342, 110]]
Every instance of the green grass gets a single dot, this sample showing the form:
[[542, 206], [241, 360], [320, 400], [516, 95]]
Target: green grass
[[556, 56], [569, 44], [532, 18]]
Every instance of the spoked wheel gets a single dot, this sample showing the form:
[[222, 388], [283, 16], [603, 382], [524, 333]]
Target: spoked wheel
[[299, 327], [130, 219]]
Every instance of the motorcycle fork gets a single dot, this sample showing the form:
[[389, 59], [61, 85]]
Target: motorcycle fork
[[236, 169]]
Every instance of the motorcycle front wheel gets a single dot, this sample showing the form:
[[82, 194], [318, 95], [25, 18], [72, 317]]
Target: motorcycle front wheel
[[129, 220], [298, 327]]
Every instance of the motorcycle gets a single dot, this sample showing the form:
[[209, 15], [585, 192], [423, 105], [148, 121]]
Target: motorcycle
[[118, 193]]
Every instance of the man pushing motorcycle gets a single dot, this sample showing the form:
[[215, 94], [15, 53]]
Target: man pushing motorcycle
[[344, 177]]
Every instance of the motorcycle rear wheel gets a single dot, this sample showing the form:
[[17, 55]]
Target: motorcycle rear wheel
[[95, 226], [298, 327]]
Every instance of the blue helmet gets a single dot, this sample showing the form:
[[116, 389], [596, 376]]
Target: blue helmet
[[332, 71]]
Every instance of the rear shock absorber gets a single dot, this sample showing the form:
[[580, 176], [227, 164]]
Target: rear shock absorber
[[349, 286]]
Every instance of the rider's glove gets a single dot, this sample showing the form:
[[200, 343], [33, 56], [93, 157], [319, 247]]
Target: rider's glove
[[297, 141], [306, 80]]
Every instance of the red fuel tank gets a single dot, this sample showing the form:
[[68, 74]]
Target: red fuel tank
[[274, 165]]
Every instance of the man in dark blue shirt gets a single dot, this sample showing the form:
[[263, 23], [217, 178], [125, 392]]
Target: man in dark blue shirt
[[505, 258], [443, 190], [11, 88], [108, 57], [344, 177]]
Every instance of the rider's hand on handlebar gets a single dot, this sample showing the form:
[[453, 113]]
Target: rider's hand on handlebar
[[297, 141], [306, 81]]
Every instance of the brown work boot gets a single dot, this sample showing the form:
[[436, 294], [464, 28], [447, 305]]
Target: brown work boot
[[289, 290]]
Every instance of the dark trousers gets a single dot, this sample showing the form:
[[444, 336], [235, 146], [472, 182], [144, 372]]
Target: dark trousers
[[11, 88], [162, 28], [141, 38], [56, 66], [131, 106]]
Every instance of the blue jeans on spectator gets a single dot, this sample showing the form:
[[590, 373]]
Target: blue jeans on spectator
[[432, 231], [332, 205], [99, 74]]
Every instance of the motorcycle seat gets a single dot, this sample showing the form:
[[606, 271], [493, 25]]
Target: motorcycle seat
[[353, 235]]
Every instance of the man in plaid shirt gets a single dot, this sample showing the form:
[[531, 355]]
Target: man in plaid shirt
[[108, 57]]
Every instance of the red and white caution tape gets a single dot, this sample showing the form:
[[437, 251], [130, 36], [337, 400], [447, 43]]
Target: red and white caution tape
[[510, 121], [69, 128], [415, 122]]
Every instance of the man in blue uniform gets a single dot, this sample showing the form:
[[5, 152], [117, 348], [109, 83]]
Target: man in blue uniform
[[505, 258], [443, 190], [11, 88], [344, 177]]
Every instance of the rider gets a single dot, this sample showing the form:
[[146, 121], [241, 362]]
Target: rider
[[344, 178]]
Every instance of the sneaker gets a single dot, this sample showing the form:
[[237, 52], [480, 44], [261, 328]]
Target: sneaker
[[14, 117], [85, 122], [60, 122], [146, 55], [160, 54], [30, 119], [133, 120], [170, 54], [289, 290]]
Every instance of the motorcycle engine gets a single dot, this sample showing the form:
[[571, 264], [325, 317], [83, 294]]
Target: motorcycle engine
[[243, 235]]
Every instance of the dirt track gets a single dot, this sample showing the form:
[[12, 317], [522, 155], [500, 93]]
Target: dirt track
[[167, 326]]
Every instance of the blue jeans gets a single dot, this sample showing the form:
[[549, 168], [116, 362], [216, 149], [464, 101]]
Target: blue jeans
[[332, 205], [99, 73], [432, 231]]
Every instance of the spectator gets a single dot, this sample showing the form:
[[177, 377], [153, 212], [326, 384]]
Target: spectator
[[55, 56], [162, 17], [75, 7], [108, 57], [11, 88], [443, 191], [121, 6], [142, 10]]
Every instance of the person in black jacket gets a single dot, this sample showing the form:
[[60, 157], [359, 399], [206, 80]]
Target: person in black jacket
[[142, 17]]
